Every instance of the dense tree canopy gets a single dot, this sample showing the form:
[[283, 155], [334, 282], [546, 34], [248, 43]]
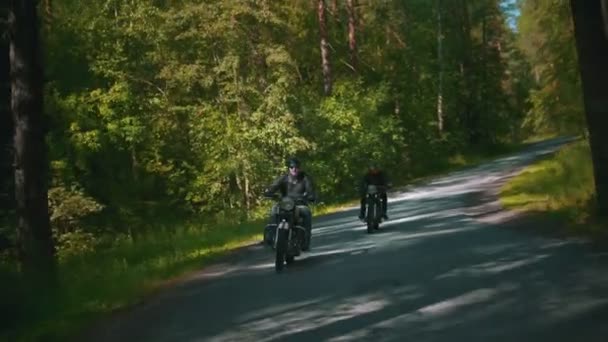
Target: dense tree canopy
[[192, 106], [198, 102]]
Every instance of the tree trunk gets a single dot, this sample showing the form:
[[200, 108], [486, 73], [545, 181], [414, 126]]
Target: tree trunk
[[48, 12], [352, 39], [6, 126], [466, 73], [440, 65], [34, 233], [397, 108], [325, 64], [482, 91], [592, 47], [605, 16], [334, 8]]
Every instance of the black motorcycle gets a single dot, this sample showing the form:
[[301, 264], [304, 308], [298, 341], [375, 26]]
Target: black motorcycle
[[287, 234], [374, 207]]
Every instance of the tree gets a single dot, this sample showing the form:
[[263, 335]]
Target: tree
[[325, 62], [352, 38], [440, 67], [592, 47], [546, 37], [605, 16], [6, 123], [34, 233]]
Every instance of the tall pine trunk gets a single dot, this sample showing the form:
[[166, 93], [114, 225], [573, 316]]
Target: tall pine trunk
[[592, 47], [6, 126], [440, 67], [352, 26], [468, 116], [30, 160], [325, 63], [605, 16]]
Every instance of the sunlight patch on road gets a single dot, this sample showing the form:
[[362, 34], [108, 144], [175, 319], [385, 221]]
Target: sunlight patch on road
[[392, 222], [492, 267], [284, 324], [435, 233], [427, 313], [559, 308], [278, 309], [452, 304]]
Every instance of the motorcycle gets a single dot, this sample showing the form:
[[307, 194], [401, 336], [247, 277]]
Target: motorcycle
[[374, 207], [287, 235]]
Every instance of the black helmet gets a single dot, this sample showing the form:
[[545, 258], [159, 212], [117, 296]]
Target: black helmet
[[293, 162]]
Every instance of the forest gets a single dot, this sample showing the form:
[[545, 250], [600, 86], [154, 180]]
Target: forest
[[131, 130]]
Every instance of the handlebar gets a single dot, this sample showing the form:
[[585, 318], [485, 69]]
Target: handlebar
[[299, 201]]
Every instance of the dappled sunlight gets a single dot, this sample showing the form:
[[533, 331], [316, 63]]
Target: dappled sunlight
[[492, 267], [559, 308], [434, 233], [279, 310], [434, 271], [272, 327], [450, 305], [425, 316], [470, 181]]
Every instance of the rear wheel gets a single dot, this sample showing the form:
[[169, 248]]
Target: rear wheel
[[280, 251]]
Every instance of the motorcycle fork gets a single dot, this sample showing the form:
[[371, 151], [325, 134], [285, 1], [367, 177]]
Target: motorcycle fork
[[277, 231]]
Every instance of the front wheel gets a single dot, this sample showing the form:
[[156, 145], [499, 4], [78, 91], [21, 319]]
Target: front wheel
[[281, 250], [289, 259], [370, 227]]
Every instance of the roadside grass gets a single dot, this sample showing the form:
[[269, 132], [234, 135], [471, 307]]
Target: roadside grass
[[94, 285], [560, 186]]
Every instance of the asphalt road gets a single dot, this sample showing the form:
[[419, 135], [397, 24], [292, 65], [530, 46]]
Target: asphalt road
[[445, 267]]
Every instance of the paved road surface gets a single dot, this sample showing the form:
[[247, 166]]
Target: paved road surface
[[442, 269]]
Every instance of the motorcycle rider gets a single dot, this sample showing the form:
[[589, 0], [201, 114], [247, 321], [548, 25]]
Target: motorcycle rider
[[297, 185], [374, 176]]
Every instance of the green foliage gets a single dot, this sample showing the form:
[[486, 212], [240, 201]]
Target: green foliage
[[68, 209], [196, 104], [95, 284], [547, 39], [561, 184], [348, 131]]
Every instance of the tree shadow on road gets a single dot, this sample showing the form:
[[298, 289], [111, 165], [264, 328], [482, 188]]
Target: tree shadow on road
[[436, 274]]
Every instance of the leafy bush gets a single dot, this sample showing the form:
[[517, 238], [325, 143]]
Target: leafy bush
[[69, 208]]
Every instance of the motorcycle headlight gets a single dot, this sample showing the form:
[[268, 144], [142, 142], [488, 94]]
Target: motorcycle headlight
[[287, 203]]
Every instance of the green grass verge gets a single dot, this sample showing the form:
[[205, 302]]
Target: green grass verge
[[560, 186], [94, 285]]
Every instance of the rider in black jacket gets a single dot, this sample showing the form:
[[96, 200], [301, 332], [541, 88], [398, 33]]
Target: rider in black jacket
[[297, 185], [374, 176]]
